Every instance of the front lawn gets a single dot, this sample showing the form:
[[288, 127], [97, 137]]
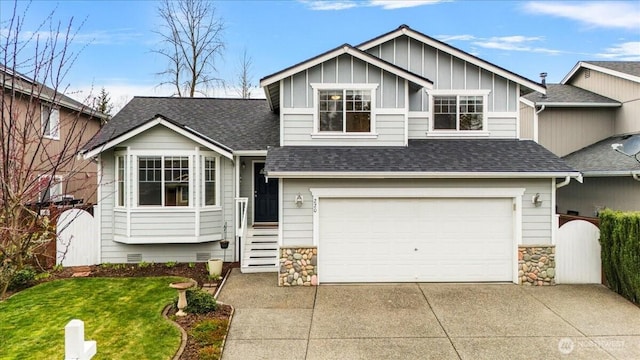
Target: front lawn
[[122, 314]]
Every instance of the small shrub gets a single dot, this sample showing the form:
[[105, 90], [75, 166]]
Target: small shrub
[[215, 277], [106, 265], [192, 265], [57, 268], [22, 279], [171, 264], [198, 302], [143, 264], [42, 276]]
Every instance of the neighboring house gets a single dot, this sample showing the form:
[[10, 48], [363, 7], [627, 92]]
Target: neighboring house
[[595, 106], [395, 160], [50, 125]]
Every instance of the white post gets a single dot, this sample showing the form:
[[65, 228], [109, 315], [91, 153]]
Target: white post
[[75, 348]]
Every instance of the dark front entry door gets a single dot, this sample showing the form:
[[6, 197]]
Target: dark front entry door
[[265, 196]]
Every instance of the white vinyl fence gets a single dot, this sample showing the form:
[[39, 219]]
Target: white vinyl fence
[[578, 253], [77, 241]]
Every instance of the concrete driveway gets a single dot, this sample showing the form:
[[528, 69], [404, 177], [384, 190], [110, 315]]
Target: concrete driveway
[[427, 321]]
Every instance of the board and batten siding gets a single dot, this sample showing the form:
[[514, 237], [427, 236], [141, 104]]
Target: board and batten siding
[[625, 91], [617, 193], [163, 223], [297, 223], [447, 72], [565, 130]]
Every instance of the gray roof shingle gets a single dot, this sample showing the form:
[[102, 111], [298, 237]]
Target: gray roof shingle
[[239, 124], [568, 94], [600, 157], [626, 67], [437, 155]]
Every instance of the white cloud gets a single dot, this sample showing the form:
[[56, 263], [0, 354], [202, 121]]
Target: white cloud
[[330, 5], [628, 51], [384, 4], [606, 14], [514, 43], [400, 4], [462, 37]]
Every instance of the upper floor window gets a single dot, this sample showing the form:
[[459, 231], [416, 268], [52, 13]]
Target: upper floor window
[[344, 108], [50, 118], [458, 112], [50, 188]]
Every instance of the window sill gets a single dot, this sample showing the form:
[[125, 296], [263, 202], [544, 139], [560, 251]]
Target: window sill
[[458, 134], [344, 136], [141, 240], [51, 137]]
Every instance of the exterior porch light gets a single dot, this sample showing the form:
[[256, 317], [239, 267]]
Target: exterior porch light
[[299, 200]]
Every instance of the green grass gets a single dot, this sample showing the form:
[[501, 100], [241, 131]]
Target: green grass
[[123, 315]]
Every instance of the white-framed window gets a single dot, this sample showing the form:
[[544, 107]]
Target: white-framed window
[[50, 188], [210, 188], [121, 177], [162, 180], [459, 112], [50, 119], [344, 108]]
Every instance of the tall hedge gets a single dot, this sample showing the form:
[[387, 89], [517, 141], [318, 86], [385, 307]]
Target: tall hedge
[[620, 249]]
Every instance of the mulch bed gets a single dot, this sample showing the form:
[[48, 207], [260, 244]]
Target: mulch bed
[[195, 271]]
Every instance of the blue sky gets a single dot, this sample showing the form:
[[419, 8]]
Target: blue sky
[[526, 37]]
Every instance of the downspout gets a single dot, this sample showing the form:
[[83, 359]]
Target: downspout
[[636, 176], [535, 122], [567, 179]]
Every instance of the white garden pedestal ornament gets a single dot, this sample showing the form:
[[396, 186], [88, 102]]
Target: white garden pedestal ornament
[[182, 296]]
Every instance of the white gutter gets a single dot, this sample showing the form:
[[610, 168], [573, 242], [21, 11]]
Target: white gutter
[[415, 174], [634, 174], [567, 179]]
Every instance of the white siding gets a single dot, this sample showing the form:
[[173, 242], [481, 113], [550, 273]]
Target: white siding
[[159, 137], [501, 126], [297, 222]]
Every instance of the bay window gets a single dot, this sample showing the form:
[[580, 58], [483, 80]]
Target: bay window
[[120, 180], [163, 180]]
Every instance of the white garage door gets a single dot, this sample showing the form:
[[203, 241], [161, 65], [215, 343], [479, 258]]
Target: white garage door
[[440, 239]]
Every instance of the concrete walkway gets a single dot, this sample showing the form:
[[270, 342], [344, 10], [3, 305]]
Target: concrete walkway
[[427, 321]]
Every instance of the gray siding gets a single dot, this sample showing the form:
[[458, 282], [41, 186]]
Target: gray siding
[[345, 69], [246, 184], [164, 223], [625, 91], [297, 223], [617, 193], [565, 130], [526, 121]]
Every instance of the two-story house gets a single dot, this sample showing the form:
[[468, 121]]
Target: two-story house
[[596, 106], [398, 159], [43, 131]]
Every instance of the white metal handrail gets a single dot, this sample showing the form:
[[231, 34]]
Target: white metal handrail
[[241, 223]]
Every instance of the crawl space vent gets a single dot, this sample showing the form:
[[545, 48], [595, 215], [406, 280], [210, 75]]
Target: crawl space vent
[[203, 256], [134, 258]]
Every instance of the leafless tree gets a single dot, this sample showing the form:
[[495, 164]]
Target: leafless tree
[[42, 132], [192, 41], [244, 76]]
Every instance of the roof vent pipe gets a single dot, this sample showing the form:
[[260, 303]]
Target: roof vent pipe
[[543, 79]]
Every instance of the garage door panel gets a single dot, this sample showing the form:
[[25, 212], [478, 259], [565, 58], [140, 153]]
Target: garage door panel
[[375, 240]]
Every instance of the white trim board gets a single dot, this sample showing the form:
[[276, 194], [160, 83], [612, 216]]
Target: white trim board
[[418, 175], [159, 121], [587, 65]]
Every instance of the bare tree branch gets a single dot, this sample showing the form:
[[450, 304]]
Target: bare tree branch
[[244, 76], [191, 42]]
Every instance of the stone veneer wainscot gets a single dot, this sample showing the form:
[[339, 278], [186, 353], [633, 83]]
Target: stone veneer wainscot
[[536, 265], [298, 266]]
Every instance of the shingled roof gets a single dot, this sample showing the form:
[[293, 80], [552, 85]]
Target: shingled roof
[[238, 124], [601, 158], [625, 67], [568, 95], [441, 155]]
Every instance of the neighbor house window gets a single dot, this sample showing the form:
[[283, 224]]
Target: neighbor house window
[[345, 110], [120, 180], [209, 181], [50, 188], [458, 112], [50, 118]]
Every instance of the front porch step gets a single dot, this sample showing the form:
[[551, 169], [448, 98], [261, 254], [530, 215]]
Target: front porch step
[[260, 250]]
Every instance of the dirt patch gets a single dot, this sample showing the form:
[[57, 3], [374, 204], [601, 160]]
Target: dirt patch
[[188, 322]]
